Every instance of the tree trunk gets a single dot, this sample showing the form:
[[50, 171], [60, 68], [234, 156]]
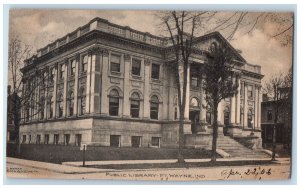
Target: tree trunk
[[274, 143], [215, 133], [180, 158]]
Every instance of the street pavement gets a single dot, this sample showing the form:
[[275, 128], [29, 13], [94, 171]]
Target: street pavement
[[18, 168]]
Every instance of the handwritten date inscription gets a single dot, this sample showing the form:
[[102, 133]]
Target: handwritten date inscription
[[256, 173]]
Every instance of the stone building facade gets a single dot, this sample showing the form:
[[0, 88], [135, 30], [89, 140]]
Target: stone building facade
[[110, 85]]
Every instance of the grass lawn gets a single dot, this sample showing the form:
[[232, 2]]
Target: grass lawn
[[61, 153]]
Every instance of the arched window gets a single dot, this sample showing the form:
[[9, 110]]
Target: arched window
[[71, 103], [135, 105], [194, 103], [60, 106], [154, 107], [114, 102], [50, 107], [81, 99]]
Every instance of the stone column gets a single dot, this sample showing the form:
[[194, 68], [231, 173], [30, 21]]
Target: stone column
[[256, 100], [76, 84], [221, 113], [202, 105], [238, 102], [187, 100], [245, 106], [104, 82], [126, 87], [259, 108], [65, 88], [54, 91], [233, 108], [88, 83], [146, 89]]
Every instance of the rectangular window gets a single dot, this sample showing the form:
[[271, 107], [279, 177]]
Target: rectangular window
[[29, 139], [38, 139], [66, 139], [115, 61], [136, 141], [51, 76], [62, 71], [250, 92], [175, 114], [155, 71], [115, 140], [194, 81], [134, 108], [72, 70], [84, 63], [46, 140], [136, 67], [56, 139], [24, 139], [155, 141], [269, 115], [77, 139]]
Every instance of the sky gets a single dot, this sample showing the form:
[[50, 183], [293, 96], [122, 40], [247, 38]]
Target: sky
[[40, 27]]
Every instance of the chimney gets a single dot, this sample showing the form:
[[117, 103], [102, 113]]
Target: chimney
[[8, 89]]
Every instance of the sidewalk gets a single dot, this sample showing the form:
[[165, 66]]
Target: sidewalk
[[75, 167], [128, 162]]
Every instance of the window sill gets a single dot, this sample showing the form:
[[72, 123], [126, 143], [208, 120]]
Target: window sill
[[115, 73], [138, 77], [155, 80]]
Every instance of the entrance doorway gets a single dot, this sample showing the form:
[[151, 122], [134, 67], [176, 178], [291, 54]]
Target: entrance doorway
[[194, 117]]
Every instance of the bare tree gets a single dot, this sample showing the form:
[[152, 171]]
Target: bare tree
[[230, 23], [22, 96], [219, 83], [275, 89], [181, 28]]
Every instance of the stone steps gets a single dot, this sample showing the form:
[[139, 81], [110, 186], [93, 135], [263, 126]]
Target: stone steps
[[235, 149]]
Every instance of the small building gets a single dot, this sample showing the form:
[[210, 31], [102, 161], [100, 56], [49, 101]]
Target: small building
[[284, 122], [110, 85]]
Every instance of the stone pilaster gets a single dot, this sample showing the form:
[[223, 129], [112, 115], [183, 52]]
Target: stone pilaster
[[88, 83], [65, 88], [55, 91], [105, 81], [126, 87], [95, 81], [146, 89], [76, 84]]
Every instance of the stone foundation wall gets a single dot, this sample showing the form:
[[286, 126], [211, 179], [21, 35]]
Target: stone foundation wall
[[72, 127], [103, 129]]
